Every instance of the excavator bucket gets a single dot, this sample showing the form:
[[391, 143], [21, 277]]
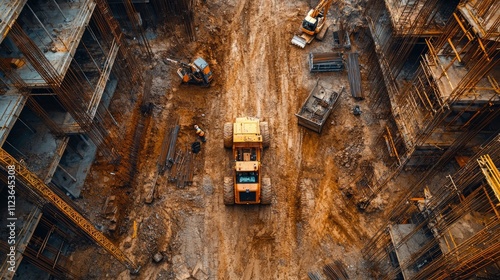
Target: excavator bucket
[[299, 41]]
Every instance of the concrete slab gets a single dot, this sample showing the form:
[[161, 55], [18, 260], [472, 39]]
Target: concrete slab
[[31, 142], [65, 26], [404, 13], [485, 29], [463, 229], [441, 139], [411, 120], [11, 106], [405, 250], [75, 165], [455, 74], [9, 11]]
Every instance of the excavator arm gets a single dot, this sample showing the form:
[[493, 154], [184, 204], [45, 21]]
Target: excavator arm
[[178, 62], [322, 8]]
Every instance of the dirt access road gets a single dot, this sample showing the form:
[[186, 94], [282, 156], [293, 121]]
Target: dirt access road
[[257, 73], [265, 78]]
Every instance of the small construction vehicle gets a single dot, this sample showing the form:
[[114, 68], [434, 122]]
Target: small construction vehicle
[[313, 26], [197, 73], [247, 137]]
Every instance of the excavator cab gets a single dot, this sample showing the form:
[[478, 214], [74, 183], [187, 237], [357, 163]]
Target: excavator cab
[[203, 70], [313, 25], [197, 73], [310, 23]]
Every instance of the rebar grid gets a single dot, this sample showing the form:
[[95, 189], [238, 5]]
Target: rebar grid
[[449, 203], [419, 108]]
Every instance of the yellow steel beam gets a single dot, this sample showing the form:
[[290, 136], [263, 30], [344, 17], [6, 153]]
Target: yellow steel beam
[[466, 32], [494, 84], [454, 50], [483, 48], [393, 146], [491, 174], [31, 180], [491, 202]]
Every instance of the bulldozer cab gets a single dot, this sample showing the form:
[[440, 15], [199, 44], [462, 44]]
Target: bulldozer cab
[[200, 63], [247, 182], [246, 176]]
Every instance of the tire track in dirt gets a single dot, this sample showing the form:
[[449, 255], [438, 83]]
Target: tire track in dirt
[[257, 242], [235, 225], [286, 138]]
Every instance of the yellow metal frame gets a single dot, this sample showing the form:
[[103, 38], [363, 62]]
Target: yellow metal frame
[[246, 130], [491, 174], [31, 180]]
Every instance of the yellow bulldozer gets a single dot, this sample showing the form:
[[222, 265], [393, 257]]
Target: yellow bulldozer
[[247, 137]]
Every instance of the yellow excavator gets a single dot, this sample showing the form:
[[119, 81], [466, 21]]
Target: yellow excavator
[[313, 26]]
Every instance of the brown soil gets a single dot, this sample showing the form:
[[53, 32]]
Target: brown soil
[[313, 219]]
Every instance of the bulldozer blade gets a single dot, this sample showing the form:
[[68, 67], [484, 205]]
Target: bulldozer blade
[[299, 41]]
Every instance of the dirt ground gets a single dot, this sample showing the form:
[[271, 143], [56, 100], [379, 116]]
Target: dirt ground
[[313, 219]]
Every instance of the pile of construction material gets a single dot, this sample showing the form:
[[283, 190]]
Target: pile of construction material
[[325, 62]]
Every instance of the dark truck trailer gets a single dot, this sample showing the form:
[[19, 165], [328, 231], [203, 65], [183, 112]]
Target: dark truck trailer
[[317, 107]]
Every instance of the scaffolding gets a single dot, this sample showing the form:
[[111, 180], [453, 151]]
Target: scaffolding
[[60, 63], [452, 231], [78, 72], [445, 101], [421, 18], [454, 88], [81, 222], [139, 16]]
